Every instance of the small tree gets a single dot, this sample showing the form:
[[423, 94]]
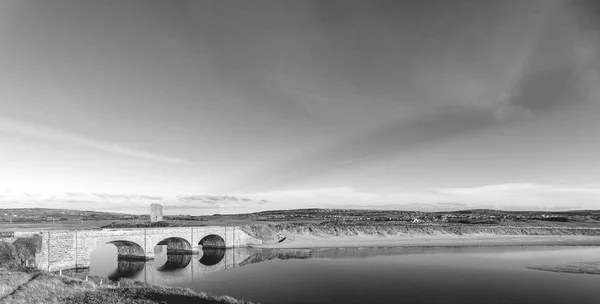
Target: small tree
[[8, 253], [27, 247]]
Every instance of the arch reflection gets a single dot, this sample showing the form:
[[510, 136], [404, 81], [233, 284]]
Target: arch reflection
[[127, 269], [212, 256], [176, 261]]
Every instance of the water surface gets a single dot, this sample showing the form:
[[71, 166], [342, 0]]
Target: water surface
[[372, 275]]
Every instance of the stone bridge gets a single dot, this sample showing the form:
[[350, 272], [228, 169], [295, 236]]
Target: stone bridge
[[68, 249]]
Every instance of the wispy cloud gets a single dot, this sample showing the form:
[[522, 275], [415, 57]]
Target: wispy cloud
[[66, 137], [216, 199]]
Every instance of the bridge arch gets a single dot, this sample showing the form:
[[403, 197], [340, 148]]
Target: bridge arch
[[128, 250], [213, 249], [212, 241], [176, 245], [115, 258]]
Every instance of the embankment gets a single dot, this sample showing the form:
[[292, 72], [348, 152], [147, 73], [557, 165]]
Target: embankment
[[342, 234], [30, 286]]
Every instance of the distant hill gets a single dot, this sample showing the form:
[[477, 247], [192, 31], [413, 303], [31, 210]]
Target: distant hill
[[473, 216], [366, 211], [45, 214]]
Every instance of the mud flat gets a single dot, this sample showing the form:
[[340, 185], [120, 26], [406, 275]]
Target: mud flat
[[579, 267]]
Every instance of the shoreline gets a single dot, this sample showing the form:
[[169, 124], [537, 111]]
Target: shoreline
[[589, 268], [314, 241]]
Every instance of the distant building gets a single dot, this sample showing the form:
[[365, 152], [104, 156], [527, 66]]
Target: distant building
[[156, 213]]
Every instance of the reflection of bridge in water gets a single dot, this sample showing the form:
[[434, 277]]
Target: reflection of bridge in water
[[179, 269]]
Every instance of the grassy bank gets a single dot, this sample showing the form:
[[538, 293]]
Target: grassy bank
[[272, 233], [29, 286]]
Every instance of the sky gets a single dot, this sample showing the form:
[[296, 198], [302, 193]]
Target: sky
[[242, 106]]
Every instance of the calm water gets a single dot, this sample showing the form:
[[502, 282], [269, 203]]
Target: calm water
[[371, 275]]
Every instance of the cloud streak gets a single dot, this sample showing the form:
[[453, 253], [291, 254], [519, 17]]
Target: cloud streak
[[389, 140], [66, 137]]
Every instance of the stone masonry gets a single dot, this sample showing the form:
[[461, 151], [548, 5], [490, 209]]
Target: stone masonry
[[68, 249], [156, 213]]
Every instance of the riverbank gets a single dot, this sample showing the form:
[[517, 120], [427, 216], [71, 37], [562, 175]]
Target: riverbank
[[312, 241], [29, 286], [308, 235]]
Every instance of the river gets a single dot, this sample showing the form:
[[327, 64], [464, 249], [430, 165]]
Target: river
[[370, 275]]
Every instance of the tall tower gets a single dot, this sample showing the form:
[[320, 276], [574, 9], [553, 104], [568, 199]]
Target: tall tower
[[156, 214]]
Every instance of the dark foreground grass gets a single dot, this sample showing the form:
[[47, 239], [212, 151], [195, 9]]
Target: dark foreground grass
[[11, 280], [146, 295], [35, 286]]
